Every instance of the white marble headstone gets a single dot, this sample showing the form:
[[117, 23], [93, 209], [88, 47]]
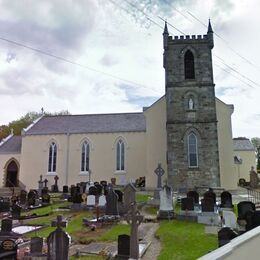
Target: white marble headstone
[[230, 219], [166, 199], [102, 201], [91, 200]]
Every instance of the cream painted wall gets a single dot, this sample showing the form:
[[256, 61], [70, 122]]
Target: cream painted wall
[[4, 160], [156, 140], [35, 150], [228, 178], [248, 160]]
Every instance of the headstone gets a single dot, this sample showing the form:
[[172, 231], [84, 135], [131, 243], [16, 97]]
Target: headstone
[[8, 249], [195, 195], [6, 230], [91, 201], [99, 188], [187, 203], [102, 201], [112, 202], [40, 186], [252, 219], [84, 197], [65, 189], [253, 178], [135, 219], [120, 195], [166, 203], [207, 204], [159, 171], [23, 197], [4, 205], [226, 200], [55, 187], [230, 219], [92, 191], [210, 194], [58, 241], [36, 247], [225, 235], [46, 198], [129, 195], [45, 183], [123, 249], [32, 197], [243, 207], [16, 211]]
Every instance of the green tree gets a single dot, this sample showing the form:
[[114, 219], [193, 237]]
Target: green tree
[[256, 142], [24, 121]]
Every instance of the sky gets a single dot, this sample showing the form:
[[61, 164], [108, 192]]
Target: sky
[[105, 56]]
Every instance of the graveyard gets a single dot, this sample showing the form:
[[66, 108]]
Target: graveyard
[[101, 220]]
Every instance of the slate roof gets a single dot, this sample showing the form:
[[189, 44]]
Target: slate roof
[[242, 144], [93, 123], [12, 145]]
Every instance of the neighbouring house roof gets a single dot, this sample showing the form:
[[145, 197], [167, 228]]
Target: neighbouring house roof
[[242, 144], [11, 145], [93, 123]]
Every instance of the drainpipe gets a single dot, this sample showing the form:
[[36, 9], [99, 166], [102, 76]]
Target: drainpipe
[[67, 159]]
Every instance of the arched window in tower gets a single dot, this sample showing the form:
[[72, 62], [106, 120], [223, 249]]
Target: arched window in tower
[[192, 150], [120, 155], [189, 65], [52, 157], [85, 157]]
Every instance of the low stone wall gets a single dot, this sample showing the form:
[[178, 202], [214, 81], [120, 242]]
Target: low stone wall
[[242, 247]]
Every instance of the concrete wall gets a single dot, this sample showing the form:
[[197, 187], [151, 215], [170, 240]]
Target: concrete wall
[[243, 247], [228, 178], [248, 159], [155, 140], [35, 151]]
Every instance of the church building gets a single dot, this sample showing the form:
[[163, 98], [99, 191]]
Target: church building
[[188, 131]]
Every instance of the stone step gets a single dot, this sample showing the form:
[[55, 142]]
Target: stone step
[[8, 191]]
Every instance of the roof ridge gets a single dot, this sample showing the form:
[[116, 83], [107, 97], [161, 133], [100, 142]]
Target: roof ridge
[[105, 114]]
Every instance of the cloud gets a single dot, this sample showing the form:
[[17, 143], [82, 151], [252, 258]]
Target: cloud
[[108, 60]]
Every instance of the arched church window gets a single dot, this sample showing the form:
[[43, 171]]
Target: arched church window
[[189, 65], [85, 157], [52, 157], [120, 155], [192, 150]]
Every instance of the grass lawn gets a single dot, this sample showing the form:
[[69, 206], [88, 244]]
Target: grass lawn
[[113, 233], [182, 240], [140, 197]]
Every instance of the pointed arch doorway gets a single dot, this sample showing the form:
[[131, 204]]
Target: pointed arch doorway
[[11, 174]]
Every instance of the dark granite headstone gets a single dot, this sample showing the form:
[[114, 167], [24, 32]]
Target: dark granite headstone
[[195, 195], [93, 191], [55, 187], [16, 211], [65, 189], [4, 205], [123, 246], [207, 205], [210, 194], [58, 241], [187, 204], [225, 235], [129, 195], [6, 225], [120, 195], [23, 197], [226, 200], [112, 202], [252, 219], [32, 197], [243, 207], [99, 188], [46, 198], [8, 249], [36, 246]]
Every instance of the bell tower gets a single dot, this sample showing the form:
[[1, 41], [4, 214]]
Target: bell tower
[[192, 138]]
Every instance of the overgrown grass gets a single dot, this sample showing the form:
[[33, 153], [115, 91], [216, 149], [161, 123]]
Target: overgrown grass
[[141, 197], [152, 210], [182, 240], [113, 233]]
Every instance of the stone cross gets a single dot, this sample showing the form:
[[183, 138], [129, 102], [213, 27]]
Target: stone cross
[[159, 171], [59, 223], [40, 182], [45, 183], [56, 180], [135, 219]]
